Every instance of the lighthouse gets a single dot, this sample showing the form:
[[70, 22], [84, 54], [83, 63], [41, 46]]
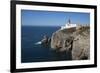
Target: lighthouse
[[68, 25], [69, 22]]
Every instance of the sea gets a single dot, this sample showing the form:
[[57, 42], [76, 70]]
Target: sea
[[31, 52]]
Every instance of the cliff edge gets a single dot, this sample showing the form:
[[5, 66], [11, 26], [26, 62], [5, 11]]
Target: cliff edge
[[75, 40]]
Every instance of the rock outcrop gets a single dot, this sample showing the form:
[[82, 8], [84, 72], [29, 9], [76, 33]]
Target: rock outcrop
[[46, 40], [75, 40]]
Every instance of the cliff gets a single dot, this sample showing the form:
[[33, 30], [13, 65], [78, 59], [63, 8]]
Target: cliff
[[75, 40]]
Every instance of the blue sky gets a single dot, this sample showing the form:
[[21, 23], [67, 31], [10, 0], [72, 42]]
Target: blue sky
[[52, 18]]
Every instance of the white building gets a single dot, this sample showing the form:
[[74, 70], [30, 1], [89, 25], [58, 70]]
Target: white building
[[68, 25]]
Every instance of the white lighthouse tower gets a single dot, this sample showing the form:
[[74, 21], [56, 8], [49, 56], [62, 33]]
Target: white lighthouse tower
[[69, 22], [68, 25]]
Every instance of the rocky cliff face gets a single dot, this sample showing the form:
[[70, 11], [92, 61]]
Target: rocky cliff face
[[75, 40]]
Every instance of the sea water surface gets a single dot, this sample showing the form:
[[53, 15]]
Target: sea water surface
[[30, 52]]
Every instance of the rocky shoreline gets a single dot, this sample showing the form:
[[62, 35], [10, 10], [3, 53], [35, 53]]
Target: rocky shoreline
[[74, 41]]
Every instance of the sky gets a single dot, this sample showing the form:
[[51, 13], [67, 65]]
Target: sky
[[52, 18]]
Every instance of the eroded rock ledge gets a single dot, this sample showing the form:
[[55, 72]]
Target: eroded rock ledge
[[75, 40]]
